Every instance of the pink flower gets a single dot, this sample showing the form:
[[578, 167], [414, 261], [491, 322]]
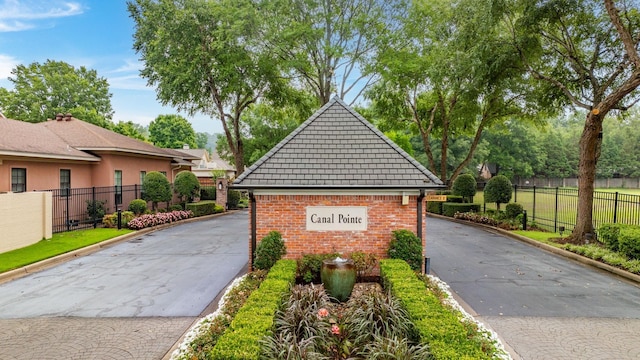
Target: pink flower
[[335, 329], [322, 313]]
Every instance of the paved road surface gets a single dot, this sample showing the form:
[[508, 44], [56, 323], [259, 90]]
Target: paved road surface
[[130, 301], [542, 305]]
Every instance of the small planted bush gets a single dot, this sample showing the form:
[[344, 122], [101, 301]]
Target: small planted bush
[[406, 246], [363, 262], [111, 220], [149, 220], [450, 209], [512, 210], [203, 208], [309, 266], [629, 241], [270, 249], [465, 185], [138, 206], [608, 234], [498, 190], [233, 198], [434, 207]]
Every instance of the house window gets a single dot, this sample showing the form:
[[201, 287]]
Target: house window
[[143, 174], [65, 182], [118, 183], [18, 180]]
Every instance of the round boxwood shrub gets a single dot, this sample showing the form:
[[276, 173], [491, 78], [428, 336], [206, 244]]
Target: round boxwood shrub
[[186, 185], [498, 190], [156, 188], [138, 206], [406, 246], [465, 185], [512, 210], [270, 249]]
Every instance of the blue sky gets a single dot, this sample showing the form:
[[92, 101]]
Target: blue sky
[[96, 34]]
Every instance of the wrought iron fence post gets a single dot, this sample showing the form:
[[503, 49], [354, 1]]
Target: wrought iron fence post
[[93, 206], [515, 192], [533, 216], [67, 205], [555, 215], [615, 209]]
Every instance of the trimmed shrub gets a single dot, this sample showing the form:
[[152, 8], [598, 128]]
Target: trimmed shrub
[[498, 190], [207, 193], [111, 220], [309, 266], [156, 188], [465, 185], [186, 185], [233, 198], [629, 241], [408, 247], [95, 209], [203, 208], [363, 262], [450, 209], [608, 234], [434, 207], [512, 210], [175, 207], [455, 199], [270, 249], [138, 206]]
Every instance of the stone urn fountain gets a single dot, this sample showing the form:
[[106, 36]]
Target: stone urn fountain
[[338, 277]]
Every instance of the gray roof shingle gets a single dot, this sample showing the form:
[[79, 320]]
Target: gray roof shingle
[[337, 148]]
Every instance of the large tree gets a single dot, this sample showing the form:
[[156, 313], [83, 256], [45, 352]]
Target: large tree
[[41, 91], [584, 53], [446, 76], [203, 57], [131, 129], [326, 44], [172, 131]]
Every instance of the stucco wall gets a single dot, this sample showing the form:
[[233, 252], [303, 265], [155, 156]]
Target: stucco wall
[[25, 218], [45, 174], [287, 214], [131, 166]]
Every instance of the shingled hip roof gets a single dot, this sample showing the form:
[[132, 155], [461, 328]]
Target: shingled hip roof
[[337, 148]]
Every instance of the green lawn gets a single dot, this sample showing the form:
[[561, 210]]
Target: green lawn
[[60, 243]]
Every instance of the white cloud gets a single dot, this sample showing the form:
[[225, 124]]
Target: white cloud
[[18, 15], [129, 65], [128, 82], [7, 63]]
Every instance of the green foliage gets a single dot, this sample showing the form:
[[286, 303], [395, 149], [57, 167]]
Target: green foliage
[[130, 129], [175, 207], [406, 246], [465, 185], [363, 262], [450, 209], [256, 317], [629, 241], [138, 206], [270, 249], [186, 184], [435, 207], [498, 190], [233, 199], [455, 199], [437, 325], [207, 193], [402, 140], [156, 188], [309, 266], [95, 209], [512, 210], [172, 131], [111, 220], [202, 208], [41, 91], [608, 234]]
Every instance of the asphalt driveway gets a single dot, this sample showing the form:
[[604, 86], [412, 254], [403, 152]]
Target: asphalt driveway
[[544, 306], [130, 301]]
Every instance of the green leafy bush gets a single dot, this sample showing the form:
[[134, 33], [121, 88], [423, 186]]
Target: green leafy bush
[[233, 198], [608, 234], [629, 241], [186, 185], [450, 209], [434, 207], [309, 266], [406, 246], [95, 209], [156, 188], [138, 206], [465, 185], [208, 193], [270, 249], [202, 208], [363, 262], [498, 190], [111, 220], [175, 207], [512, 210], [455, 199]]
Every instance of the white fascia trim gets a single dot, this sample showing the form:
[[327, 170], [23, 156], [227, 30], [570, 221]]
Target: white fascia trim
[[346, 192]]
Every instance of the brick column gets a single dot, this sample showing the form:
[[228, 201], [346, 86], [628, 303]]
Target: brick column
[[221, 192]]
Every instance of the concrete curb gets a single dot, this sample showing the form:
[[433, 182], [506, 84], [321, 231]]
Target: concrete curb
[[552, 249], [58, 259]]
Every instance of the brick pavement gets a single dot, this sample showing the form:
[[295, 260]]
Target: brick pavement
[[534, 338], [90, 338]]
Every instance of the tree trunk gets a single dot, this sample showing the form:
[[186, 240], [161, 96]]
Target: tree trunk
[[590, 143]]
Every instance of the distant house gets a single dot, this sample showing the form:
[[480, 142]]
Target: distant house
[[207, 162], [70, 153]]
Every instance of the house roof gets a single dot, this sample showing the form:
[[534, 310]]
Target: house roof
[[23, 139], [88, 137], [213, 160], [337, 148]]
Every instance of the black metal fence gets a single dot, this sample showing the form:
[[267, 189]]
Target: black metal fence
[[555, 208]]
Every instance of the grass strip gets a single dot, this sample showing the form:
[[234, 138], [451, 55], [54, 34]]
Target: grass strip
[[60, 243]]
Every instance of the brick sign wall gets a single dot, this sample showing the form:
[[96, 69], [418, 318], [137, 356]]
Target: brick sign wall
[[289, 214]]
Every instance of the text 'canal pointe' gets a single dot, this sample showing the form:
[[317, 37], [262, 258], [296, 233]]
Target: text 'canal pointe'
[[342, 219]]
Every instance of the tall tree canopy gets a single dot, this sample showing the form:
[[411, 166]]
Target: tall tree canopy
[[43, 90], [326, 44], [203, 57], [131, 129], [172, 131], [583, 53]]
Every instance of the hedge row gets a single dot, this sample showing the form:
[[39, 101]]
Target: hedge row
[[621, 238], [436, 206], [438, 326], [450, 209], [255, 318], [203, 208]]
